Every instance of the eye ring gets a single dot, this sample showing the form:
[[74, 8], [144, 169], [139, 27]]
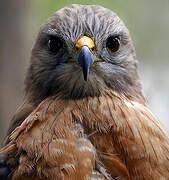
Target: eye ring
[[113, 44], [54, 44]]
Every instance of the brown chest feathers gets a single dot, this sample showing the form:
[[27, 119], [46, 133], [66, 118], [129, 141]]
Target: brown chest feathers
[[106, 137]]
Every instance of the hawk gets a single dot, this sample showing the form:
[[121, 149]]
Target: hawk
[[84, 114]]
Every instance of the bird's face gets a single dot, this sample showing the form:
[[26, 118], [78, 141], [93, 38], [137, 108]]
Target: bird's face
[[83, 51]]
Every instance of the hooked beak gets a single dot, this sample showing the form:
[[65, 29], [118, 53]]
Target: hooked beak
[[85, 56], [85, 59]]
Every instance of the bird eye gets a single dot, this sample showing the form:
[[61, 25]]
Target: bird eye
[[55, 44], [113, 44]]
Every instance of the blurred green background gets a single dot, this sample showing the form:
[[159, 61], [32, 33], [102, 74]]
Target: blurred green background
[[147, 20]]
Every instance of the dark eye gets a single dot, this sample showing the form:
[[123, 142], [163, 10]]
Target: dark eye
[[113, 44], [55, 44]]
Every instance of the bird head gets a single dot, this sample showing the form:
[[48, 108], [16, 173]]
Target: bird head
[[83, 51]]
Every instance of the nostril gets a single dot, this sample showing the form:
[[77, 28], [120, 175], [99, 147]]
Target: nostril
[[76, 48], [92, 48]]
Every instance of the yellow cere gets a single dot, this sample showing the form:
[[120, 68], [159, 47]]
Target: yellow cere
[[85, 41]]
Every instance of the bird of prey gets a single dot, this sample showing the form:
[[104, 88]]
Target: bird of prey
[[84, 114]]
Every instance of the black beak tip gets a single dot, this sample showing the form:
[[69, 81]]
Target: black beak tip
[[86, 78], [85, 75]]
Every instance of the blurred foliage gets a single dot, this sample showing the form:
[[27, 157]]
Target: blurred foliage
[[50, 6]]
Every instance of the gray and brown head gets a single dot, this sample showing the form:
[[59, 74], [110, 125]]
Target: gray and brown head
[[83, 51]]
